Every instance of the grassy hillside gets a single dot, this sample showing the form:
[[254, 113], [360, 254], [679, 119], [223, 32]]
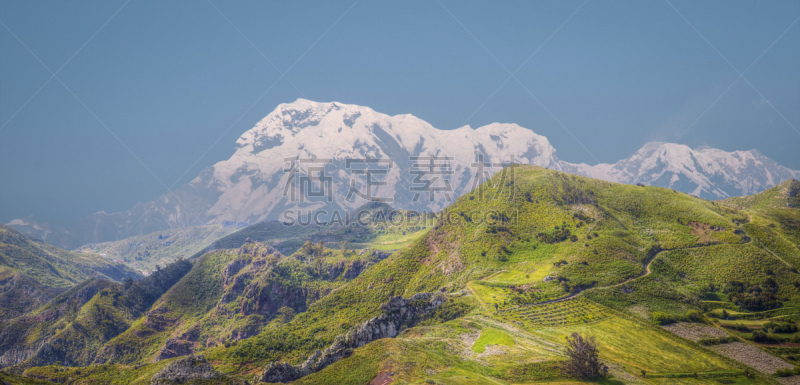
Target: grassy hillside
[[32, 272], [73, 326], [54, 267], [230, 295], [145, 252], [530, 257]]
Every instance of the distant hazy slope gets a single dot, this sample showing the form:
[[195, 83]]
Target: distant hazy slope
[[52, 266], [32, 272], [144, 252]]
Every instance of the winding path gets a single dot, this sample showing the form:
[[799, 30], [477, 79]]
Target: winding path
[[647, 269], [644, 274]]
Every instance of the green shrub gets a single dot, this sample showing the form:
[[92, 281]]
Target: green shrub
[[664, 318]]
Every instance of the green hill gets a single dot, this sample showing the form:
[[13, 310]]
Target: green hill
[[675, 289], [230, 295], [73, 326], [33, 272], [54, 267]]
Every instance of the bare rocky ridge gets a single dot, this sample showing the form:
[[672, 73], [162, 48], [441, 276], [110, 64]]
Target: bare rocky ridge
[[194, 367], [398, 314]]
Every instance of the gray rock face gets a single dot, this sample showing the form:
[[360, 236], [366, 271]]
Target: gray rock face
[[17, 356], [186, 369], [399, 313]]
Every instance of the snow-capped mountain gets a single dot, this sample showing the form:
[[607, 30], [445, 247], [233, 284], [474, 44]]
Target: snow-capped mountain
[[307, 156], [705, 172], [347, 154], [405, 151]]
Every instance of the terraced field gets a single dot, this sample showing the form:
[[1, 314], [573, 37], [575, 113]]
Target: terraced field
[[571, 311]]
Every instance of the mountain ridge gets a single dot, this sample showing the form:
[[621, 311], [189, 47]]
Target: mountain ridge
[[256, 184]]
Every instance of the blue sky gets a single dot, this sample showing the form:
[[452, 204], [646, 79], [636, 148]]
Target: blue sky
[[148, 93]]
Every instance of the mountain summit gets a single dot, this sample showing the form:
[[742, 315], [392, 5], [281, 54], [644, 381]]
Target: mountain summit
[[705, 172], [407, 157], [307, 156]]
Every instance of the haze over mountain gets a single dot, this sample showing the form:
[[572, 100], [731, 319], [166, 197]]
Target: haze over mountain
[[412, 164]]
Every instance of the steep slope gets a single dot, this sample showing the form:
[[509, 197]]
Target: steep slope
[[628, 222], [554, 236], [71, 328], [705, 172], [231, 295], [774, 219], [32, 272]]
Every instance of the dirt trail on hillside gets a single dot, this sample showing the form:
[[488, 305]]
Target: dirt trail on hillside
[[644, 274]]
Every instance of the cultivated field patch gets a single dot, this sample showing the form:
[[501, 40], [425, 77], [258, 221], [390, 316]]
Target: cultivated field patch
[[568, 312], [695, 331], [752, 357]]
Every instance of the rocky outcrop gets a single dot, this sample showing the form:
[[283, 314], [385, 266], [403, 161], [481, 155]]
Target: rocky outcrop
[[174, 347], [186, 369], [399, 313], [17, 356]]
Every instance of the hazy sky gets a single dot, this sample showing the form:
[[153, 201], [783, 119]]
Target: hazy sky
[[148, 93]]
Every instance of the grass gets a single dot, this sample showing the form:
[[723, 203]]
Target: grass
[[491, 337], [54, 267], [634, 345], [570, 312], [357, 369]]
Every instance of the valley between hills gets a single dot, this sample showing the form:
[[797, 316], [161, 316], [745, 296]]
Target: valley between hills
[[674, 289]]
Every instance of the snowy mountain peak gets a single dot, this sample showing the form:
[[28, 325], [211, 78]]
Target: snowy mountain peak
[[251, 184], [704, 171]]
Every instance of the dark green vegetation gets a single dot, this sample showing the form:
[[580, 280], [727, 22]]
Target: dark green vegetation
[[615, 260]]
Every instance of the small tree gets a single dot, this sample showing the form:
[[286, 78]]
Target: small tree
[[583, 358], [285, 314]]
